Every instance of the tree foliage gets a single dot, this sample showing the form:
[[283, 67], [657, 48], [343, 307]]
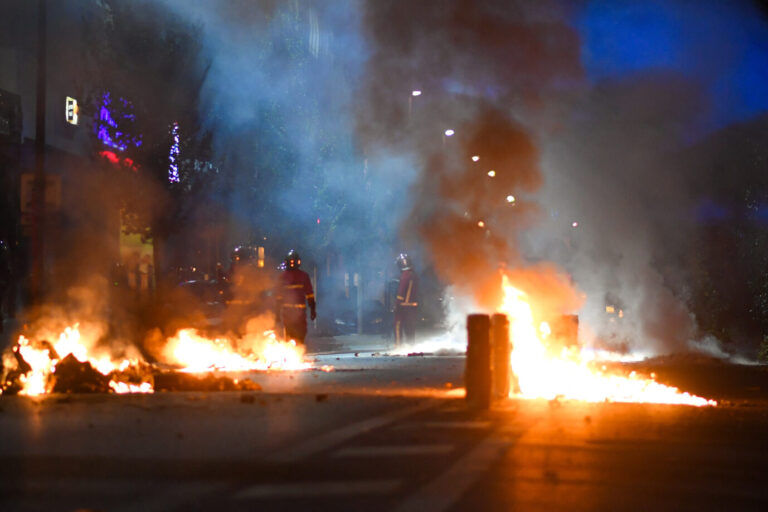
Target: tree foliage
[[150, 66]]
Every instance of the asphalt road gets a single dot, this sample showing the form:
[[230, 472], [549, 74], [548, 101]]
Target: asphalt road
[[380, 433]]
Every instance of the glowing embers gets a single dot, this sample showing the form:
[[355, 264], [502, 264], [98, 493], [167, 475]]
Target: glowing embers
[[197, 353], [543, 373]]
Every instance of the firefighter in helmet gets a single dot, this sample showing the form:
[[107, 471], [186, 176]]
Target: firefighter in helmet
[[294, 294], [406, 304]]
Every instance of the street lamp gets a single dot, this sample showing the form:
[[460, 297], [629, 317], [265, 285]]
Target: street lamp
[[414, 94], [449, 132]]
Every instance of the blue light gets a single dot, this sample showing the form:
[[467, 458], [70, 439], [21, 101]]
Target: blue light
[[173, 156], [106, 127], [721, 47]]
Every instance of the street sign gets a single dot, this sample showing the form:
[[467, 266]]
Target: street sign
[[72, 111]]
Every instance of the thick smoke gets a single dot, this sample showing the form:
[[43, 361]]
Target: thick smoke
[[462, 215], [589, 158], [481, 68], [277, 100], [584, 144]]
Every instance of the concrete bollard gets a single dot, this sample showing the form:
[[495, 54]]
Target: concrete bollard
[[500, 358], [477, 374]]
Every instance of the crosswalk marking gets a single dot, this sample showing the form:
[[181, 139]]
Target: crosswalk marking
[[318, 489], [338, 436], [445, 491], [394, 450]]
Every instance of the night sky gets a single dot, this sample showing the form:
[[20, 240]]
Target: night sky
[[625, 37]]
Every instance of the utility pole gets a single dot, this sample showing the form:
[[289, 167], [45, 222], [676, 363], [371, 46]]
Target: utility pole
[[37, 246]]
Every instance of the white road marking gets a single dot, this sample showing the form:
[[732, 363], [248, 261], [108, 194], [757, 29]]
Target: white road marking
[[329, 439], [318, 489], [394, 450], [445, 491]]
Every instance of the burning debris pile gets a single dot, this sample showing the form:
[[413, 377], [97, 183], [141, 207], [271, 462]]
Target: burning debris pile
[[72, 364], [36, 366]]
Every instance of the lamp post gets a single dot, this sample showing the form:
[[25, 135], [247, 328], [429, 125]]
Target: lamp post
[[414, 94]]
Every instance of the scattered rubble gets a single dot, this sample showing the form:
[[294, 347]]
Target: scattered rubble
[[73, 376]]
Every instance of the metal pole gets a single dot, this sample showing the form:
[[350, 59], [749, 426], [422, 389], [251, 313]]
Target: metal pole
[[477, 375], [37, 249], [359, 294], [501, 353], [314, 287]]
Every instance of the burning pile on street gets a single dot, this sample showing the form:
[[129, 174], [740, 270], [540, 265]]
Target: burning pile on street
[[73, 362], [551, 372]]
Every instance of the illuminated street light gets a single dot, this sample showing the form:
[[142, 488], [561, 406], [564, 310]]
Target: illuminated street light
[[491, 173], [449, 132], [416, 93], [475, 158], [574, 224], [510, 199], [480, 224]]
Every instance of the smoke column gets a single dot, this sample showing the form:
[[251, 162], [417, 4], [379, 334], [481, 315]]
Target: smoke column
[[580, 110]]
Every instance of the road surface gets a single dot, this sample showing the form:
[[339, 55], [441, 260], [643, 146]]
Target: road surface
[[379, 433]]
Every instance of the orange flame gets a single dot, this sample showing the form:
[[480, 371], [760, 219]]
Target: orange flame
[[43, 363], [541, 374], [196, 353], [188, 349]]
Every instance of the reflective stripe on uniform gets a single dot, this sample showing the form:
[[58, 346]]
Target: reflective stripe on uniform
[[303, 306], [408, 295], [293, 286]]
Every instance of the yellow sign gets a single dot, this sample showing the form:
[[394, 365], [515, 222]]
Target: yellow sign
[[72, 111]]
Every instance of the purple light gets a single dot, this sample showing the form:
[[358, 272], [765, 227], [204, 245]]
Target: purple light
[[173, 156], [106, 127]]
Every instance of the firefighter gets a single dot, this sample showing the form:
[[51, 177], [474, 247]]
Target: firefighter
[[294, 293], [406, 304]]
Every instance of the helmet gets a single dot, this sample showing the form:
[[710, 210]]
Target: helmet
[[292, 259], [403, 261]]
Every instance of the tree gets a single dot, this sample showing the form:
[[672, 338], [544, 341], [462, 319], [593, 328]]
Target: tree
[[146, 71]]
